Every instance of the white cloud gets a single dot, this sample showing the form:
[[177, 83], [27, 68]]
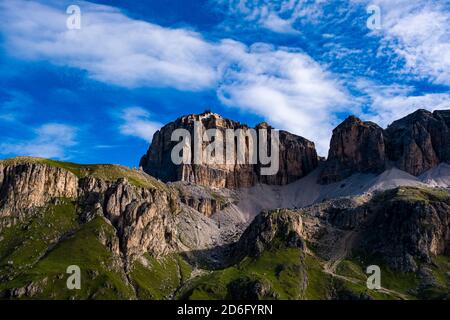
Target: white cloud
[[390, 103], [273, 22], [419, 33], [51, 141], [110, 46], [288, 88], [277, 16], [14, 106], [137, 123]]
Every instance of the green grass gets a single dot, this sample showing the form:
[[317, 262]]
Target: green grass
[[441, 274], [106, 172], [358, 290], [413, 194], [319, 283], [282, 271], [403, 282], [351, 269], [101, 275], [39, 250], [158, 279], [213, 286], [25, 243], [441, 269]]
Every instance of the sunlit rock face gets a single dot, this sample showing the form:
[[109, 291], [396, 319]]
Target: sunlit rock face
[[296, 156], [415, 144]]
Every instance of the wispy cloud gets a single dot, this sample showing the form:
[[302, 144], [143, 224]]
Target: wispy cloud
[[110, 46], [283, 85], [290, 89], [391, 102], [137, 122], [418, 34], [14, 106], [51, 140], [277, 16]]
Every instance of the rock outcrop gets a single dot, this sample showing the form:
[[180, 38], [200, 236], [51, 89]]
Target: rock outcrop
[[408, 227], [269, 230], [144, 218], [356, 146], [297, 156], [402, 227], [419, 141], [415, 144], [27, 185], [203, 199]]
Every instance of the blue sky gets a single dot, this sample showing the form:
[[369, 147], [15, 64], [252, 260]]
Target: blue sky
[[97, 94]]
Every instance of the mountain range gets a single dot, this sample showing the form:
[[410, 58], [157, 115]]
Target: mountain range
[[196, 231]]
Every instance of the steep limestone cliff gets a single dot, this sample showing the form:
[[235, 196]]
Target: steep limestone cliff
[[144, 218], [24, 185], [297, 156], [356, 146], [415, 144], [420, 141], [142, 213]]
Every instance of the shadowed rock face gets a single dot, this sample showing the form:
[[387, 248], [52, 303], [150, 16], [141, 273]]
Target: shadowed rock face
[[297, 158], [415, 144], [356, 146], [402, 227], [270, 229], [407, 230], [419, 141]]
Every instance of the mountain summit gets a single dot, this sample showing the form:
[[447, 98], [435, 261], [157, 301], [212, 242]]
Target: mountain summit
[[297, 155], [226, 231], [414, 144]]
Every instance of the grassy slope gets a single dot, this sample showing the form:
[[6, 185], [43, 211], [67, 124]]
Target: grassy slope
[[215, 285], [159, 278], [282, 271], [406, 283], [413, 194], [101, 276], [39, 251], [409, 284], [295, 267], [397, 281], [23, 245]]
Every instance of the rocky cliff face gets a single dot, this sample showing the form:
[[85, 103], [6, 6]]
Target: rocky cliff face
[[205, 200], [144, 218], [415, 144], [419, 141], [269, 230], [403, 227], [408, 227], [297, 156], [27, 185], [356, 146]]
